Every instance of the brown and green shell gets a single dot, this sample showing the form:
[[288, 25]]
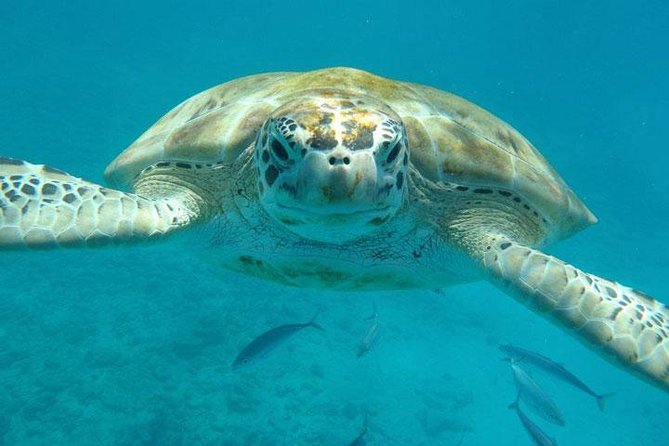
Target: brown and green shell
[[450, 138]]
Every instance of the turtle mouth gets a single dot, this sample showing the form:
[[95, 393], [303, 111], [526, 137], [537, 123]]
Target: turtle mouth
[[334, 211], [331, 224]]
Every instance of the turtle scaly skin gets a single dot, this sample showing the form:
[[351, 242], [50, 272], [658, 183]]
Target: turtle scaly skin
[[341, 179]]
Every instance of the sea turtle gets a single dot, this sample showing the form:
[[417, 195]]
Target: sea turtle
[[338, 178]]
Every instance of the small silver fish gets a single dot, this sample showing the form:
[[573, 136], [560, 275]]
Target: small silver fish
[[536, 434], [527, 356], [532, 394], [370, 337], [268, 341]]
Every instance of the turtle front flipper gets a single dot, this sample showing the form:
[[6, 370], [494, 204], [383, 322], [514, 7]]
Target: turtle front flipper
[[45, 207], [621, 323]]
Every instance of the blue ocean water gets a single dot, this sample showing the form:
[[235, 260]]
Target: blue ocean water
[[134, 345]]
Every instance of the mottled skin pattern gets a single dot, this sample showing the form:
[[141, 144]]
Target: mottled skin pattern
[[341, 179]]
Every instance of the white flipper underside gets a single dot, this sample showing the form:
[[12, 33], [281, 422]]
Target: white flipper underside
[[44, 207], [622, 323]]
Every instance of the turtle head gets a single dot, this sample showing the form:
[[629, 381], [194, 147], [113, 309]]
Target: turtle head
[[332, 168]]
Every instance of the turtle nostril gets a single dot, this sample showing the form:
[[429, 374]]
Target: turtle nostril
[[347, 160], [332, 160]]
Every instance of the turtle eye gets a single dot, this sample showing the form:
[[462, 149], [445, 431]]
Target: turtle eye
[[278, 150], [392, 154], [281, 141], [392, 145], [390, 151]]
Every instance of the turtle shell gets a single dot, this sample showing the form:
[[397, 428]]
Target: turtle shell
[[450, 139]]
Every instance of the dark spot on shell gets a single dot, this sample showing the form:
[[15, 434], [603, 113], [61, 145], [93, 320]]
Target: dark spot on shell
[[163, 164], [12, 195], [290, 221], [614, 313], [504, 245], [462, 188], [265, 156], [69, 198], [28, 189], [377, 221], [483, 191], [49, 189], [504, 193], [184, 165], [358, 136], [319, 142]]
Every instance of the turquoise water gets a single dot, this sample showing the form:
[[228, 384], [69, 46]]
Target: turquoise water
[[134, 345]]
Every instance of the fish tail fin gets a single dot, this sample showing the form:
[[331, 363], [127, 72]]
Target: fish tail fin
[[312, 322], [601, 400]]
